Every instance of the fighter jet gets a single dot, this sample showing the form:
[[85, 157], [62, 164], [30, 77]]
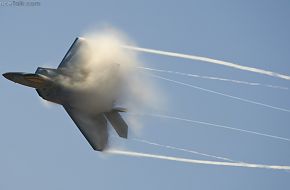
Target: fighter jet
[[44, 80]]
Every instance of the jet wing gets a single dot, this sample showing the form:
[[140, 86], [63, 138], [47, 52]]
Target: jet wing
[[93, 127], [74, 54]]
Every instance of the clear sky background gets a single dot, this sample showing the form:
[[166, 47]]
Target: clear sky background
[[41, 148]]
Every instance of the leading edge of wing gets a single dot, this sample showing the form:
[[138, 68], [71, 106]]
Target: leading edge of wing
[[76, 45]]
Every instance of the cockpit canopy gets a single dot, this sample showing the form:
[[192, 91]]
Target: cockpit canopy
[[51, 73]]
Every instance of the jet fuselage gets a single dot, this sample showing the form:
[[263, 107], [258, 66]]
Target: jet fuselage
[[64, 86]]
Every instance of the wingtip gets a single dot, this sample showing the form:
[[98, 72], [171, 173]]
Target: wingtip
[[120, 109], [81, 38]]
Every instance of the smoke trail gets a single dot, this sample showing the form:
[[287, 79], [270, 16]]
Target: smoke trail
[[182, 149], [214, 78], [222, 94], [192, 161], [211, 124], [209, 60]]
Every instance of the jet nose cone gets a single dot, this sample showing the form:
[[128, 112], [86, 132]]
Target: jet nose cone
[[8, 76]]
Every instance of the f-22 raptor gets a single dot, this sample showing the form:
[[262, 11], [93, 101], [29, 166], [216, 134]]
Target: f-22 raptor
[[92, 126]]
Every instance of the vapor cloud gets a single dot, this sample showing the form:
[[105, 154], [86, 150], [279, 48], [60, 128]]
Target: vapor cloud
[[105, 76]]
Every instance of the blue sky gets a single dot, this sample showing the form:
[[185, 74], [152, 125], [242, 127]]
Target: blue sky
[[41, 148]]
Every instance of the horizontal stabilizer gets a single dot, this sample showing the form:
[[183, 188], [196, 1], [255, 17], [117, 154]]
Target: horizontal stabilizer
[[118, 123]]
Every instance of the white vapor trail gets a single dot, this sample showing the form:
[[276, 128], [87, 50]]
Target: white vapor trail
[[192, 161], [211, 124], [209, 60], [219, 93], [182, 149], [214, 78]]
